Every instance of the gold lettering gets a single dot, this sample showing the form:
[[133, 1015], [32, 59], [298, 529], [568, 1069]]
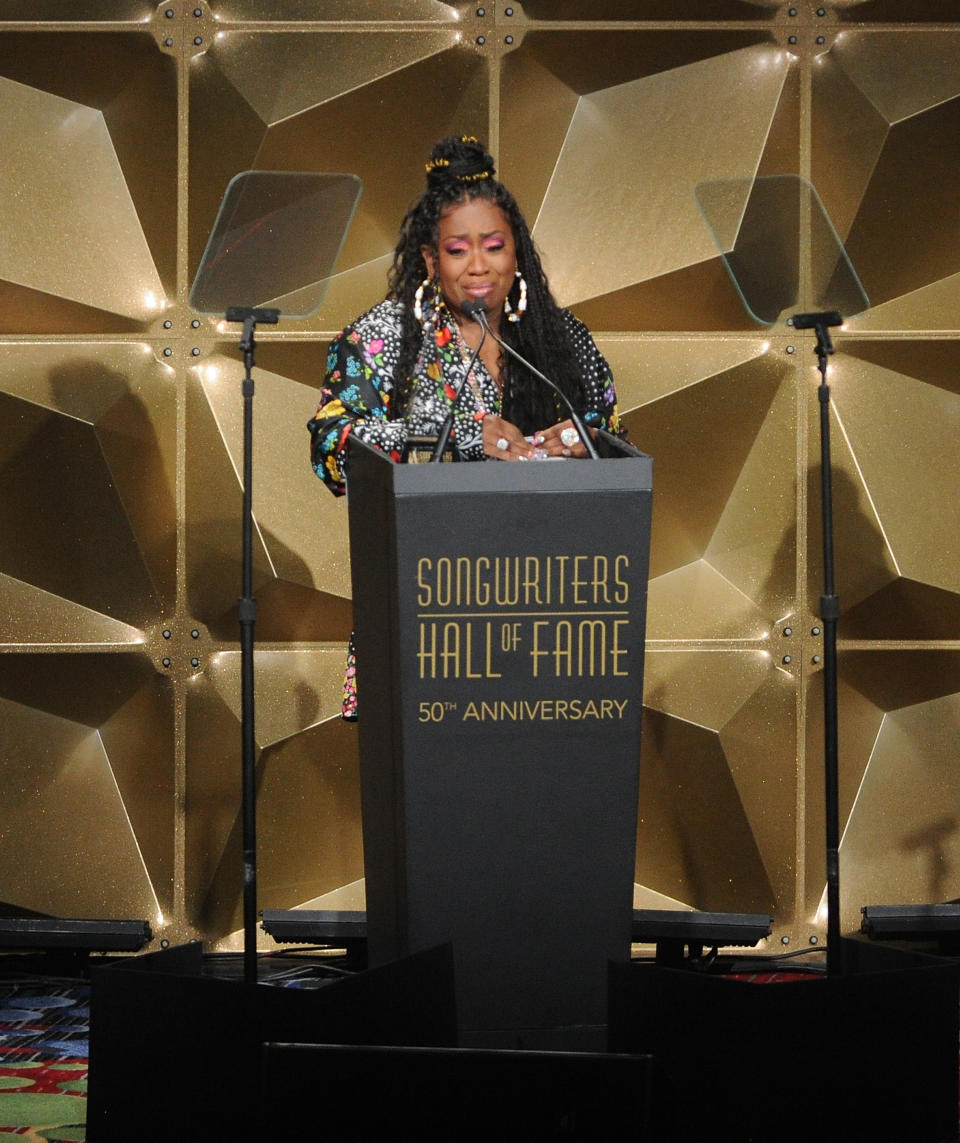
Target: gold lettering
[[428, 656], [507, 585], [535, 653], [443, 579], [562, 578], [576, 583], [560, 581], [464, 593], [616, 651], [621, 563], [600, 594], [596, 662], [423, 599], [563, 650], [483, 585], [531, 581], [450, 655], [470, 674], [490, 672]]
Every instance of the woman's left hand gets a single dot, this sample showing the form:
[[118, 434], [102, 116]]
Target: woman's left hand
[[561, 440]]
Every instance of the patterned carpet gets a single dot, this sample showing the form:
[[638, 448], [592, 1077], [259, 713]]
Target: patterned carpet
[[43, 1059]]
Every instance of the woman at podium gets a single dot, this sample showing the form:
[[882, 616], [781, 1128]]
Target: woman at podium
[[420, 357]]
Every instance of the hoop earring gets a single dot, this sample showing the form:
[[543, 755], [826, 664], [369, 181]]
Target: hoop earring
[[436, 302], [521, 302], [418, 300]]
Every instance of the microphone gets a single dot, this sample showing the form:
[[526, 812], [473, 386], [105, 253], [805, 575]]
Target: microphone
[[471, 309], [444, 434], [478, 311], [815, 321]]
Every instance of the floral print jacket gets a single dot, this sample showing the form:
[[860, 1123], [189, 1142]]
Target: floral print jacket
[[358, 390]]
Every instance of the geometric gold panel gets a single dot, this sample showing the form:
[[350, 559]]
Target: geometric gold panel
[[87, 473], [294, 102], [899, 787], [885, 164], [88, 191], [75, 162], [612, 103], [87, 747], [723, 527], [896, 11], [718, 781], [308, 787], [338, 10], [642, 192], [652, 10], [300, 542], [897, 488]]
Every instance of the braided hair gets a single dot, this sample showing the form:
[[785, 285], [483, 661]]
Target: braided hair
[[461, 170]]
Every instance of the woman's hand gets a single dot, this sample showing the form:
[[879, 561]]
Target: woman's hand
[[561, 440], [503, 440]]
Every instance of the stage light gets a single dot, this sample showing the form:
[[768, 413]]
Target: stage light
[[341, 929], [940, 923], [672, 930], [43, 933]]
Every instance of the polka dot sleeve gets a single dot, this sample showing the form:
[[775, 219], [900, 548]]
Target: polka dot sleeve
[[355, 399], [600, 394]]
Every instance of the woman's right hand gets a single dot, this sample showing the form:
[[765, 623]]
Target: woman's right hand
[[503, 440]]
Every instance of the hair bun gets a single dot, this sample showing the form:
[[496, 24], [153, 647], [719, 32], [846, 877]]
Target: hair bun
[[459, 158]]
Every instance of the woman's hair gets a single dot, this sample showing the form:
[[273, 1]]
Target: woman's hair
[[460, 170]]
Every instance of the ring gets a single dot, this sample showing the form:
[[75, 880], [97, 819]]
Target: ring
[[570, 437], [503, 444]]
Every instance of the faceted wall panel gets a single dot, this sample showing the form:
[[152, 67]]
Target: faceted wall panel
[[89, 189], [663, 154]]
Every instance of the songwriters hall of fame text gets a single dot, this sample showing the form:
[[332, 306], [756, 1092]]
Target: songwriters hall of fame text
[[540, 617]]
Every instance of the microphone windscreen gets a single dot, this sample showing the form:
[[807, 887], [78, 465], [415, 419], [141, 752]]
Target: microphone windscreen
[[474, 309]]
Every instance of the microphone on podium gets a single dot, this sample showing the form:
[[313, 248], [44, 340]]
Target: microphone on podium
[[478, 312]]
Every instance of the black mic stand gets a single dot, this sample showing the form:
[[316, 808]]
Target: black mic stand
[[445, 429], [248, 614], [829, 613], [479, 314]]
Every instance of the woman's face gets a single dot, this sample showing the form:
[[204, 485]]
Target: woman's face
[[476, 258]]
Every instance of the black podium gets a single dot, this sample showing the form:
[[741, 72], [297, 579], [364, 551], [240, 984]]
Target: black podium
[[499, 613]]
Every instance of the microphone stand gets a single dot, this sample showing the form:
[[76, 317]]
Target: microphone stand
[[247, 609], [829, 613], [478, 312], [448, 422]]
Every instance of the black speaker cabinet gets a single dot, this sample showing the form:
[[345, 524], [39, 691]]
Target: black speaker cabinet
[[175, 1053], [870, 1055], [456, 1094]]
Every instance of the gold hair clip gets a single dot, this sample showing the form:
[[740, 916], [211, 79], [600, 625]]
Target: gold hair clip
[[473, 178], [434, 163], [469, 139]]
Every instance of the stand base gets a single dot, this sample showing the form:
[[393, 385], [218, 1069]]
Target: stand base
[[869, 1055]]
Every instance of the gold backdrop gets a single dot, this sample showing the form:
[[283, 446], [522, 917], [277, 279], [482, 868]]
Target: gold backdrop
[[121, 415]]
